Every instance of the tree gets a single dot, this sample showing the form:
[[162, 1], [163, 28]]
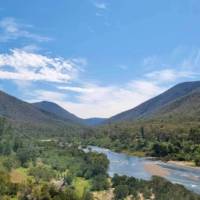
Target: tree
[[197, 161], [142, 132], [4, 183], [9, 163], [99, 183], [160, 150], [42, 173], [23, 156], [68, 179], [121, 192]]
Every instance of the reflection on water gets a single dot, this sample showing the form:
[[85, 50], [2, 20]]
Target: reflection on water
[[123, 164]]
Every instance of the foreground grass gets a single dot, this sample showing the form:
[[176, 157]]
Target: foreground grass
[[104, 195], [81, 185], [19, 175]]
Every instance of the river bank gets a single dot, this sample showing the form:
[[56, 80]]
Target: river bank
[[184, 163], [175, 162], [156, 170], [145, 167]]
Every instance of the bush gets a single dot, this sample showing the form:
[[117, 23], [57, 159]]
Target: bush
[[42, 173], [121, 192], [100, 183], [197, 161]]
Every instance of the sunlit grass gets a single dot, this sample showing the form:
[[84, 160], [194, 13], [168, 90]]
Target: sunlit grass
[[81, 185], [19, 175]]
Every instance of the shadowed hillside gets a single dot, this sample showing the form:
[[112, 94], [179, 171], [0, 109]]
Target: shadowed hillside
[[159, 104], [28, 118]]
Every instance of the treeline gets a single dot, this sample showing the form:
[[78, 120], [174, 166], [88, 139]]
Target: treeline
[[157, 189], [169, 142]]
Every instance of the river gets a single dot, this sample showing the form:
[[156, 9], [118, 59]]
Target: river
[[144, 168]]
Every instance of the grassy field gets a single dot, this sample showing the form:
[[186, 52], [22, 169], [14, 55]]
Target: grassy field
[[19, 175], [81, 185]]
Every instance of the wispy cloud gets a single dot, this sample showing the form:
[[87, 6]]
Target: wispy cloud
[[95, 100], [87, 99], [100, 5], [44, 95], [123, 67], [167, 75], [23, 65], [31, 48], [77, 89], [11, 29], [92, 100]]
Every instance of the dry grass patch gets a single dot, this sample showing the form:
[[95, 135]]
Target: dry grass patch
[[104, 195], [18, 176]]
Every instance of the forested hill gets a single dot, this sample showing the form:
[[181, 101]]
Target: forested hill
[[173, 101], [25, 116], [184, 108], [57, 110], [65, 115], [18, 110]]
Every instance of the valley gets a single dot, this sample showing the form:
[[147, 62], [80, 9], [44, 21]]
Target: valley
[[42, 157]]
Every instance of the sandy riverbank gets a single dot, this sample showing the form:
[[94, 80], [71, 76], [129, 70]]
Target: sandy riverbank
[[183, 163], [156, 170]]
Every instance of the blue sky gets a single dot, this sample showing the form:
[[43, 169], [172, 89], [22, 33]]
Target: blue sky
[[97, 58]]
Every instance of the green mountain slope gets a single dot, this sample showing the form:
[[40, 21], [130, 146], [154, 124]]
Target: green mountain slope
[[159, 104], [184, 108], [26, 117], [58, 111]]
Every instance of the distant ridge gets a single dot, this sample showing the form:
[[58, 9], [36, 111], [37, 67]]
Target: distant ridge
[[63, 114], [94, 121], [58, 111], [175, 100], [28, 118], [18, 110], [179, 102]]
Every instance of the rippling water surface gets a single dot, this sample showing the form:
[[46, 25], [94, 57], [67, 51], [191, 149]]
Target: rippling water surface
[[123, 164]]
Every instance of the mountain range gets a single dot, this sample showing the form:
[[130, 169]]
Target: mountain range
[[181, 101], [65, 115], [41, 115]]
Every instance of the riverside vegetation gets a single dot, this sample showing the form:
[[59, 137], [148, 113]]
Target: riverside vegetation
[[32, 168], [161, 140]]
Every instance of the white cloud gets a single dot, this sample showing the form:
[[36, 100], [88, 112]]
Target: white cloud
[[100, 5], [109, 100], [92, 100], [44, 95], [87, 99], [192, 62], [166, 75], [11, 29], [101, 101], [76, 89], [31, 48], [29, 66]]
